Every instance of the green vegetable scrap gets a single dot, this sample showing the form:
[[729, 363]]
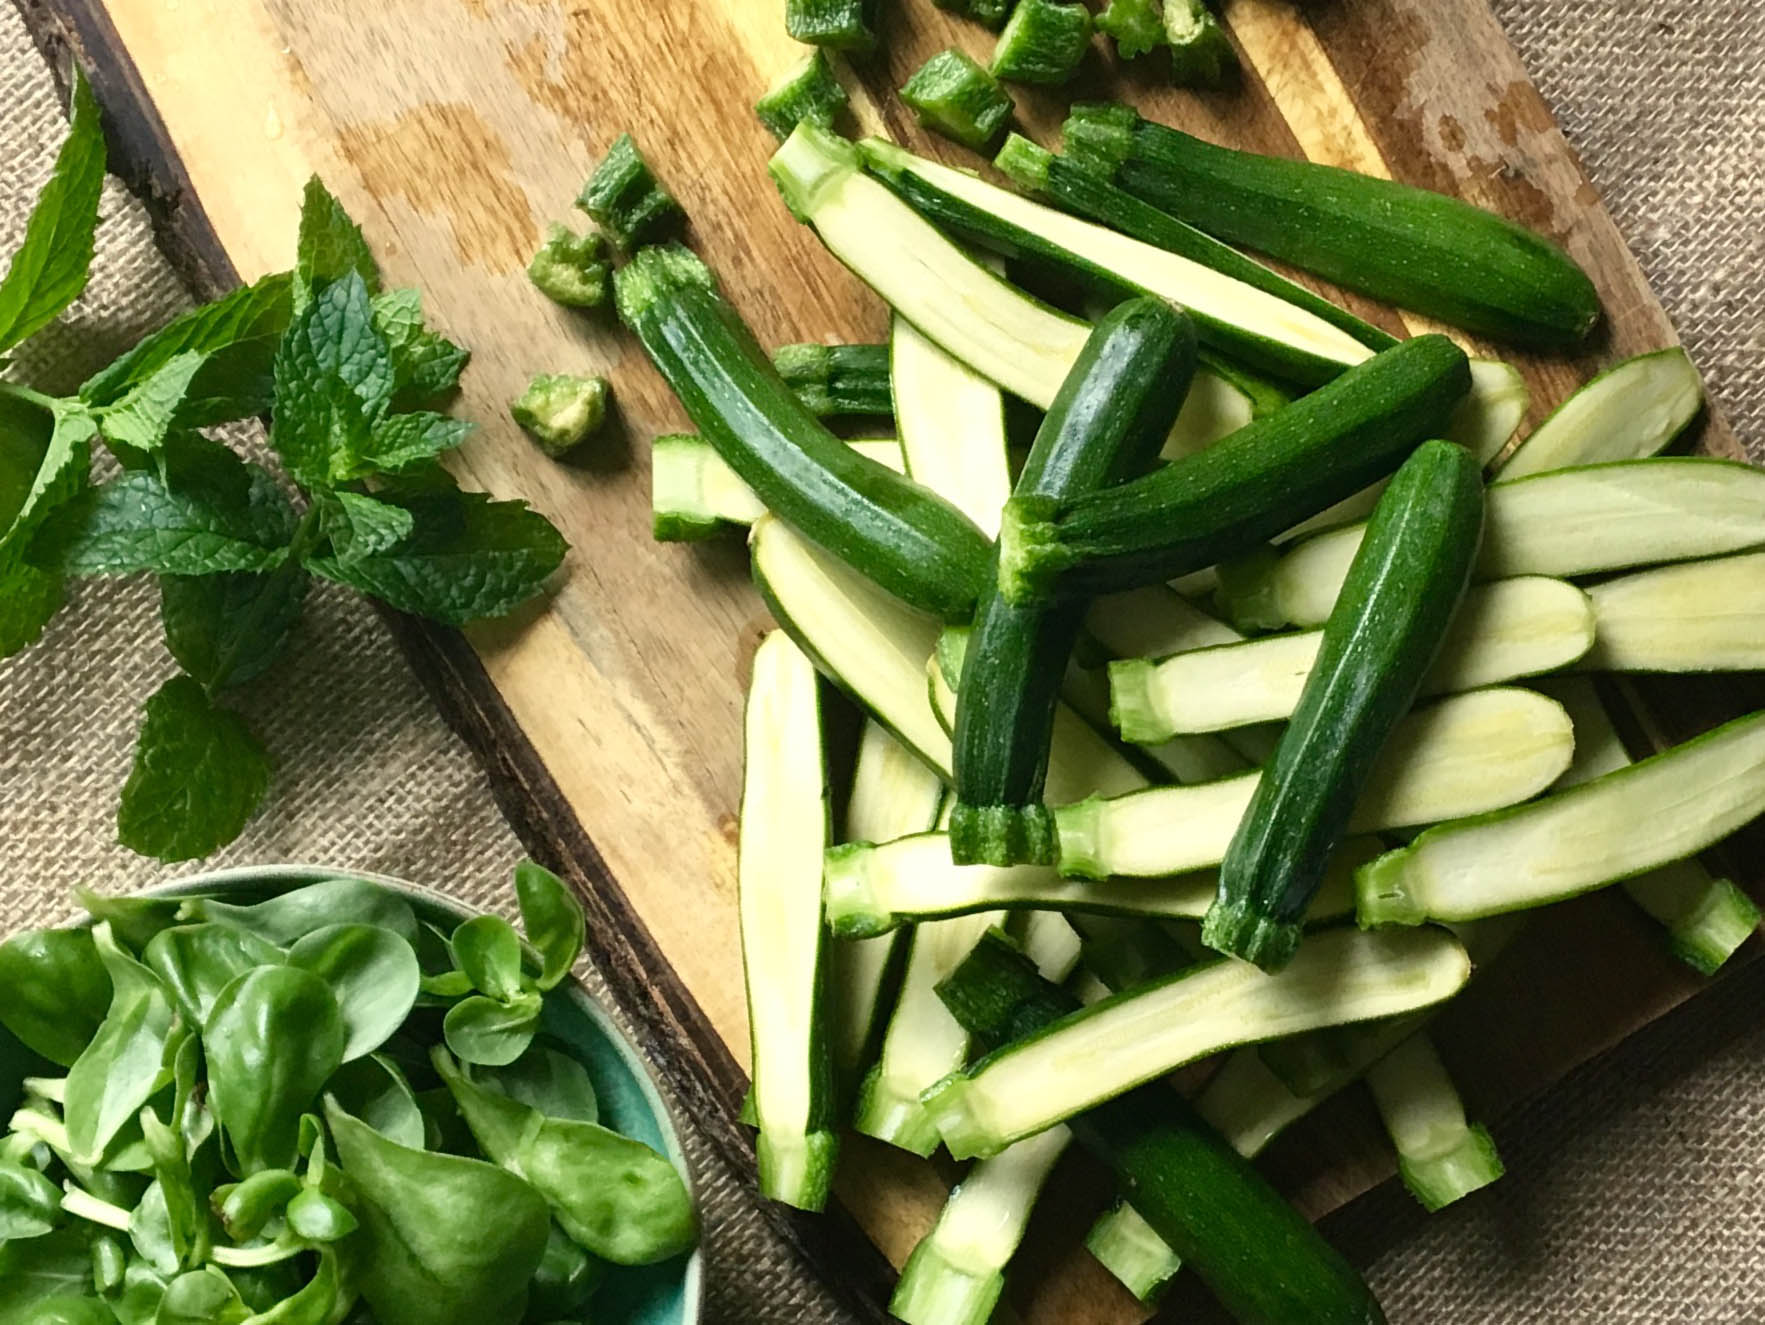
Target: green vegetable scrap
[[237, 1138], [954, 96], [1043, 42], [349, 375], [560, 411], [1201, 53], [1136, 26], [808, 91], [989, 13], [572, 269], [841, 25], [626, 199]]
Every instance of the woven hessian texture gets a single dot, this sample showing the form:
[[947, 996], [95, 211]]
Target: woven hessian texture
[[1634, 1191]]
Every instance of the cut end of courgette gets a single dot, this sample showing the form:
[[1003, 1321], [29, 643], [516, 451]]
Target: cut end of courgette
[[1249, 591], [1380, 894], [797, 1168], [655, 272], [1126, 1245], [948, 1106], [899, 1120], [1002, 835], [1440, 1180], [1134, 709], [934, 1290], [1024, 163], [669, 527], [1237, 930], [1724, 918], [848, 897], [1030, 555], [1100, 135], [812, 160], [1078, 832]]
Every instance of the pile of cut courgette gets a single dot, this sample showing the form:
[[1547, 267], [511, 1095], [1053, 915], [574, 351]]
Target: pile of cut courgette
[[1234, 709]]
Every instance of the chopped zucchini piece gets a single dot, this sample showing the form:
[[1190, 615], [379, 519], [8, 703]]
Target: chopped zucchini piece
[[1440, 1156], [954, 96], [626, 199], [572, 269], [693, 493], [1201, 54], [841, 25], [1126, 1245], [1044, 41], [988, 13], [1134, 25], [837, 379], [807, 91], [560, 411]]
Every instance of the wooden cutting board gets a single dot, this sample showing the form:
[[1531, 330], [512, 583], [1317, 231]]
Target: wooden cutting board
[[454, 129]]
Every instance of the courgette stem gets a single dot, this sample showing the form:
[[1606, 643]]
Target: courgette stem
[[1240, 319], [1504, 630], [1253, 1250], [1460, 756], [784, 822], [1423, 251], [1635, 409], [625, 198], [809, 90], [911, 542], [837, 379], [1440, 1156], [1246, 489], [1660, 809], [1107, 422], [1375, 653], [1201, 53]]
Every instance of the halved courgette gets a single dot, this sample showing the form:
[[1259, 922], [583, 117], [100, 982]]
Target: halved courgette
[[1632, 410], [951, 422], [694, 494], [1702, 616]]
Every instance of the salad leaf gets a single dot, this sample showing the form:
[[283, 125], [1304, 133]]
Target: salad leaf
[[57, 991], [553, 919], [373, 974], [128, 1060], [288, 917]]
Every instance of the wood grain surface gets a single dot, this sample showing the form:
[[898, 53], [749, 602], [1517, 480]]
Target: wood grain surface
[[455, 129]]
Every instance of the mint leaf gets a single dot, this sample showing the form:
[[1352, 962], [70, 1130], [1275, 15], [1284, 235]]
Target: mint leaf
[[408, 439], [334, 379], [330, 246], [466, 558], [149, 410], [360, 526], [29, 598], [25, 429], [426, 365], [31, 595], [228, 628], [208, 511], [199, 776], [51, 267], [258, 313]]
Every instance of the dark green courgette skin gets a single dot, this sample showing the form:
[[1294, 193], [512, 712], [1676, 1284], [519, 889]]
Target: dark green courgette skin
[[1416, 249], [900, 535], [1108, 421], [1399, 597], [1265, 478], [837, 379], [963, 219], [1258, 1255], [1072, 187]]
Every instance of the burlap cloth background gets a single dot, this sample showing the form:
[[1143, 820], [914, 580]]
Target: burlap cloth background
[[1636, 1192]]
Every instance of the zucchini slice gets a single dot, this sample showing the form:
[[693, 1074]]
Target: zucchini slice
[[1703, 616], [1134, 1037], [1107, 422], [951, 422], [1264, 478], [1376, 650], [893, 794], [1440, 1156], [1661, 809], [1131, 1250], [783, 824], [1260, 329], [1420, 250], [1565, 522], [906, 538], [1504, 630], [1463, 755], [1634, 409]]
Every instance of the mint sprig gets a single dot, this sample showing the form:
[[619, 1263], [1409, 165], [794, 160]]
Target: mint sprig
[[349, 374]]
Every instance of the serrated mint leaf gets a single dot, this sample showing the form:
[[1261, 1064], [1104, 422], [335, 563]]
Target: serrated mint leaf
[[467, 558], [29, 598], [257, 313], [330, 246], [334, 379], [403, 440], [33, 492], [50, 269], [61, 474], [359, 526], [426, 365], [148, 411], [228, 628], [199, 776], [25, 429], [209, 511]]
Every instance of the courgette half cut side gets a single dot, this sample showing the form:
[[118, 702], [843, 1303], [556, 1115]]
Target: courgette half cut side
[[1661, 809], [951, 422], [1456, 757], [1093, 1055], [1702, 616], [694, 494], [1634, 409], [783, 837], [997, 330], [1440, 1155], [1260, 329]]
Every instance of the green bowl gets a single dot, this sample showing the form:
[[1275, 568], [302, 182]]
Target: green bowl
[[667, 1294]]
